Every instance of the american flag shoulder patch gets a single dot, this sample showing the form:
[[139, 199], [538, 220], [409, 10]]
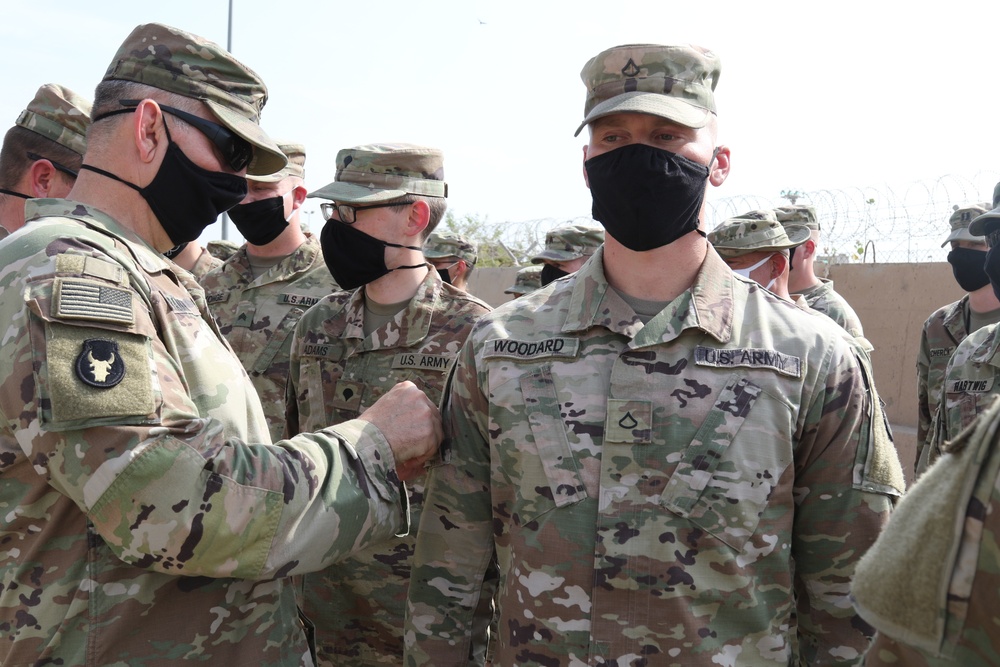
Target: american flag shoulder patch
[[82, 299]]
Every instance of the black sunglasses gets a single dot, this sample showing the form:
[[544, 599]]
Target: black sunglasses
[[235, 150], [349, 214], [59, 167]]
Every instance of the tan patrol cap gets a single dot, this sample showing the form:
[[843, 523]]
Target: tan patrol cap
[[296, 166], [674, 82], [756, 231], [570, 242], [178, 62], [60, 115], [381, 172]]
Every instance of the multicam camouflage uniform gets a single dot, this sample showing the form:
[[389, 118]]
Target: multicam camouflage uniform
[[647, 488], [446, 246], [971, 381], [205, 264], [824, 299], [929, 584], [335, 373], [258, 314], [123, 404], [943, 331]]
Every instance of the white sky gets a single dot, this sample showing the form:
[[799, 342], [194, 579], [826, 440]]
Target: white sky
[[812, 95]]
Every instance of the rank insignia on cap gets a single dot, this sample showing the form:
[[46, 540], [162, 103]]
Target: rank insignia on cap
[[100, 364], [630, 70]]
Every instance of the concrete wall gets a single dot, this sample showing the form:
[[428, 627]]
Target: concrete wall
[[892, 300]]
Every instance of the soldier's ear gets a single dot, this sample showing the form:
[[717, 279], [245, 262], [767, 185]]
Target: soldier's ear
[[418, 219], [42, 175]]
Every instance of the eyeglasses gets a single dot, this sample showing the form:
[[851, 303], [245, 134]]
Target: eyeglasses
[[349, 214], [60, 167], [235, 150]]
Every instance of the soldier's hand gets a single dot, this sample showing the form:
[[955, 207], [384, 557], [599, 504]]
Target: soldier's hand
[[412, 425]]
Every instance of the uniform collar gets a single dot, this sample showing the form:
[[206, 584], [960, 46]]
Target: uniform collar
[[707, 305], [145, 255], [300, 261], [957, 318], [408, 327]]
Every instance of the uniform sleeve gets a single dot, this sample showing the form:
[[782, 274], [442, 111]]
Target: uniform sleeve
[[94, 396], [835, 520], [924, 416], [292, 384], [455, 541]]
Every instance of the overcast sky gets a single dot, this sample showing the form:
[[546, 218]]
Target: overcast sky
[[812, 95]]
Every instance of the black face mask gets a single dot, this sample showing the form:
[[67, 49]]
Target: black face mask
[[184, 197], [791, 256], [967, 265], [992, 268], [355, 258], [646, 197], [550, 273], [260, 222], [445, 275]]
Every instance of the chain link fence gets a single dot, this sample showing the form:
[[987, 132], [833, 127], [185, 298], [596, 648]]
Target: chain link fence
[[886, 223]]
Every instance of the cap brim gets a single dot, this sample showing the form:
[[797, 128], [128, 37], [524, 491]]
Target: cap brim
[[555, 256], [656, 104], [797, 235], [352, 193], [980, 226], [964, 234], [438, 254], [267, 157]]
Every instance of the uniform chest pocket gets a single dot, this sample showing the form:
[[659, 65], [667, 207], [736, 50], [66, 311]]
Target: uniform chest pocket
[[549, 475], [278, 342], [727, 473]]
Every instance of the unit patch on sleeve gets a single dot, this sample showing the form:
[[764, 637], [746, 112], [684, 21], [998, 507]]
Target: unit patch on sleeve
[[509, 348], [100, 364], [749, 357]]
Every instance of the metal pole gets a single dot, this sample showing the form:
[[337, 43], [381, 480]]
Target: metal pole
[[229, 47]]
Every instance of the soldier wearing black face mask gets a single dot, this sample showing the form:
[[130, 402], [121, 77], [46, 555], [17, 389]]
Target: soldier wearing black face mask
[[567, 248], [259, 293], [396, 320], [637, 437], [949, 325]]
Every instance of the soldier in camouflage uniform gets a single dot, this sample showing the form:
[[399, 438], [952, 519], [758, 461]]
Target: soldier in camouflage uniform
[[672, 465], [527, 280], [802, 278], [929, 584], [146, 518], [258, 295], [567, 248], [42, 153], [972, 376], [454, 257], [351, 348]]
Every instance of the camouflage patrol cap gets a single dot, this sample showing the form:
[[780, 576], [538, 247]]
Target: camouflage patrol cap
[[380, 172], [962, 220], [798, 214], [184, 64], [296, 154], [675, 82], [756, 231], [528, 279], [439, 246], [988, 221], [60, 115], [570, 242]]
